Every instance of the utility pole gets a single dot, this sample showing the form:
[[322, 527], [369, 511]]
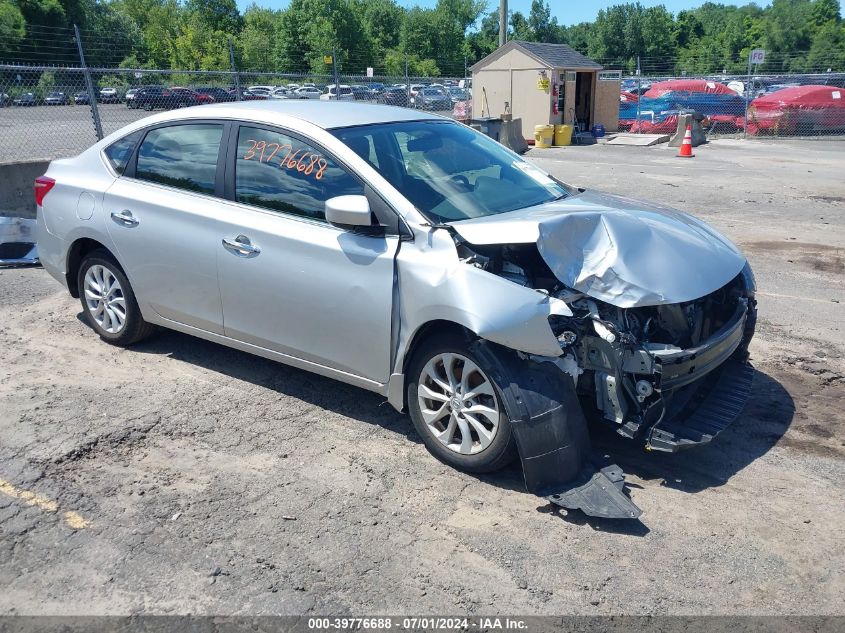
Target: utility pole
[[503, 22]]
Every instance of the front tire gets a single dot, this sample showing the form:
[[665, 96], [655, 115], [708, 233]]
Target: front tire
[[108, 301], [456, 407]]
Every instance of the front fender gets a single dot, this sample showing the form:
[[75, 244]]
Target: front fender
[[434, 284]]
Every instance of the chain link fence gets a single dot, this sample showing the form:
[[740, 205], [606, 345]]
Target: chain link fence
[[50, 111], [772, 105]]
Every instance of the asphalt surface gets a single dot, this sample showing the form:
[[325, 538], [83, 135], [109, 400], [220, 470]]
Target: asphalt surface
[[181, 476]]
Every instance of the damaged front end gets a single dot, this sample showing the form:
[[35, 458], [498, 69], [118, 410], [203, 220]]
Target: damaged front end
[[662, 361], [672, 375]]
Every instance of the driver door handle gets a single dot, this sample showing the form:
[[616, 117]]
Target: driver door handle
[[124, 217], [241, 246]]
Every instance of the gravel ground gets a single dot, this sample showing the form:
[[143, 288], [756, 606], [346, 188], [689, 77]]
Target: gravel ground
[[181, 476]]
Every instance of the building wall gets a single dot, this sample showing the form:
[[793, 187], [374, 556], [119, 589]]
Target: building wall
[[490, 90], [530, 104], [606, 110], [511, 79]]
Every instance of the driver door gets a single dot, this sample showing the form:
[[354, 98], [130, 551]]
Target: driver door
[[289, 281]]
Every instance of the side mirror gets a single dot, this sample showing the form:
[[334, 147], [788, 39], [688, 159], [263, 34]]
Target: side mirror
[[348, 212]]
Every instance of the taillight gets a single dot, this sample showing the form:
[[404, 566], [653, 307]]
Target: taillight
[[43, 184], [165, 93]]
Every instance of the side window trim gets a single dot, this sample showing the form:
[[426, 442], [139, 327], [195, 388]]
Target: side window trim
[[131, 167], [394, 225]]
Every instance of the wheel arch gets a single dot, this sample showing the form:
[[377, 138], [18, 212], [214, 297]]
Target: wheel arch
[[76, 253], [430, 329], [396, 395]]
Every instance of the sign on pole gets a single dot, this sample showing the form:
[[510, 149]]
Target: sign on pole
[[327, 59], [369, 71], [758, 56]]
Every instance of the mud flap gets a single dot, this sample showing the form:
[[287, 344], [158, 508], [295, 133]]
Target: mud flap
[[551, 435]]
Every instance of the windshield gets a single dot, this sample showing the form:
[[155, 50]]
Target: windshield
[[449, 171]]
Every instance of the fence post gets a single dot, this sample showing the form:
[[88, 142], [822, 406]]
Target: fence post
[[235, 72], [334, 72], [747, 88], [407, 85], [89, 84], [639, 95]]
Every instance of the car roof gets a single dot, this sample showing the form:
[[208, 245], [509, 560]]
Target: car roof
[[325, 114]]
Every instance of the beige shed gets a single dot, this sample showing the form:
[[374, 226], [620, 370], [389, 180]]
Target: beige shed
[[545, 84]]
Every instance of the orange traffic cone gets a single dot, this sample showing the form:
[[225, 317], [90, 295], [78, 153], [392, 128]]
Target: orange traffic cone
[[686, 145]]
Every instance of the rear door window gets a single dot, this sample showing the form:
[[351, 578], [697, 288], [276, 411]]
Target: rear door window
[[282, 173], [119, 152], [182, 156]]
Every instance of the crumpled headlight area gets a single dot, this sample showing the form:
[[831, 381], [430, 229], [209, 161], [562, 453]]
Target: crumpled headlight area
[[749, 280], [567, 329]]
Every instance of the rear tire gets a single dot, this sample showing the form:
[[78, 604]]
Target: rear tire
[[457, 408], [108, 301]]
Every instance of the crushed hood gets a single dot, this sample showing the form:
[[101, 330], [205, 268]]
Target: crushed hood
[[618, 250]]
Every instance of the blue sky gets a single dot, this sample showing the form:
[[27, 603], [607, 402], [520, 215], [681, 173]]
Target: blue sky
[[566, 11]]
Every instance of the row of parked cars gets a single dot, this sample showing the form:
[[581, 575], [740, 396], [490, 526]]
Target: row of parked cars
[[424, 96], [57, 97]]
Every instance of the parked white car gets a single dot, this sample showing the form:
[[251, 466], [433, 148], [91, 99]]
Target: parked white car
[[331, 93], [281, 93], [308, 92]]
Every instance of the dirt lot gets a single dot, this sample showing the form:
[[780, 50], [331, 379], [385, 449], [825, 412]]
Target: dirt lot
[[182, 476]]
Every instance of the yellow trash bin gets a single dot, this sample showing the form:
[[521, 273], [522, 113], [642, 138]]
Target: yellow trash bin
[[563, 135], [543, 135]]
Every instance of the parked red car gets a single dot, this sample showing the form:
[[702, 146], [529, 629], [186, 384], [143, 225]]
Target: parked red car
[[798, 109], [189, 94]]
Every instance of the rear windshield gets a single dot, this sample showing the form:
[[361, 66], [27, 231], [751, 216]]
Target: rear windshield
[[449, 171]]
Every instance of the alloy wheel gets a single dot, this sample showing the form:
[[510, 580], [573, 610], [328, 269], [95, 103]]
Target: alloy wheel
[[458, 403], [105, 299]]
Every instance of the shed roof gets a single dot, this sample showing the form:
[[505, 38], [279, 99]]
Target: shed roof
[[550, 55]]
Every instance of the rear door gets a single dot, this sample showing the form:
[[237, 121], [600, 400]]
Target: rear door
[[161, 216], [290, 281]]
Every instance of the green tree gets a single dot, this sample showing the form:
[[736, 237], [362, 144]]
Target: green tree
[[383, 21], [12, 27], [311, 29], [216, 15], [542, 26], [825, 11], [828, 49], [255, 43]]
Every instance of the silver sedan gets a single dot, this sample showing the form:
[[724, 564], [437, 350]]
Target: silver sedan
[[410, 255]]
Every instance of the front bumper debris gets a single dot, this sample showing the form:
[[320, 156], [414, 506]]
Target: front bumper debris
[[551, 435], [602, 492], [707, 412]]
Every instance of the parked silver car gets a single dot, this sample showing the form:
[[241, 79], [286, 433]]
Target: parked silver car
[[407, 254]]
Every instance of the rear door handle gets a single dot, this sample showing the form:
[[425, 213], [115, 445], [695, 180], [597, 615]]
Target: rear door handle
[[241, 246], [125, 218]]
